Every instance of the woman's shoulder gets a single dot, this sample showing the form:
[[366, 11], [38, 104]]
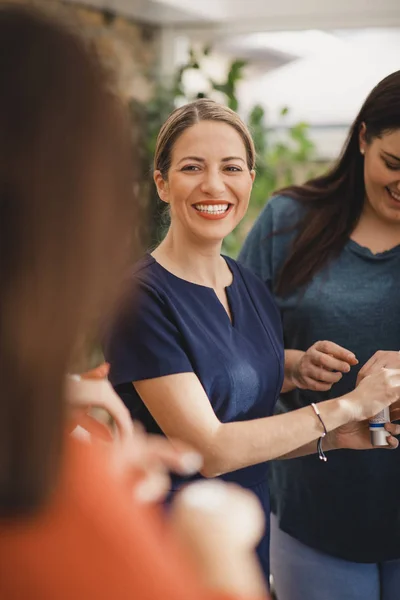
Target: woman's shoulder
[[147, 279], [284, 211], [144, 270]]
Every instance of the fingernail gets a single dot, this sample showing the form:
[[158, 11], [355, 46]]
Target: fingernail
[[191, 463]]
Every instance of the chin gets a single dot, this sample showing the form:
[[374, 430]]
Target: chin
[[216, 236]]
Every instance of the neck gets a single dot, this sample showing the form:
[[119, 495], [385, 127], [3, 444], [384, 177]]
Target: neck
[[192, 259], [374, 232]]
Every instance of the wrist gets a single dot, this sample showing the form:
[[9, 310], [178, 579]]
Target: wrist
[[292, 361], [330, 443], [336, 412], [347, 409]]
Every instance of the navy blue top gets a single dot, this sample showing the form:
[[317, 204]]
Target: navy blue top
[[176, 326], [350, 506]]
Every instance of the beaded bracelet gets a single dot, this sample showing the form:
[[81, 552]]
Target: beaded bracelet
[[321, 453]]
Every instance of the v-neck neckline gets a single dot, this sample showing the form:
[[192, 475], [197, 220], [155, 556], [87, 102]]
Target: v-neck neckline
[[228, 288]]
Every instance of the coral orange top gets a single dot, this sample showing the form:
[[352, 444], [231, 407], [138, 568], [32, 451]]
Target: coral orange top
[[93, 542]]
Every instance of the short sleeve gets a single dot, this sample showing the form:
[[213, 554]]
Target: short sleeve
[[144, 342]]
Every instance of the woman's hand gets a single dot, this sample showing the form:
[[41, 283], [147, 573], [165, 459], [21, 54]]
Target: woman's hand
[[99, 393], [220, 513], [374, 393], [357, 436], [383, 358], [147, 460], [220, 524], [319, 367]]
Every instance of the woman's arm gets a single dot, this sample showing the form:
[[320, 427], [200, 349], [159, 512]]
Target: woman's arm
[[182, 409]]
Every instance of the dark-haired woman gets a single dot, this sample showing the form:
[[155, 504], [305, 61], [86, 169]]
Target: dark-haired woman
[[330, 251]]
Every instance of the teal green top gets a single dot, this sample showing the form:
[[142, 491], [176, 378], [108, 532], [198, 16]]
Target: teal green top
[[348, 507]]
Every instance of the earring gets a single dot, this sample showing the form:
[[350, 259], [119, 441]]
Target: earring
[[362, 151]]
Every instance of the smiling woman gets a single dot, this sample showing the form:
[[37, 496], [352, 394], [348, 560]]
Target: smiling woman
[[204, 183], [330, 250], [202, 358]]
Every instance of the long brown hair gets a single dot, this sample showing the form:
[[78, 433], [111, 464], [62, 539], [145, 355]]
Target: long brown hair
[[65, 216], [335, 200]]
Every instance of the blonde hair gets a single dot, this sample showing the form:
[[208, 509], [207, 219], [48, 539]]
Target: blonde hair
[[187, 116]]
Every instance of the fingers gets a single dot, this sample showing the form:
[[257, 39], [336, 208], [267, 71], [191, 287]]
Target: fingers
[[393, 442], [153, 457], [323, 375], [316, 386], [366, 368], [98, 393], [381, 359], [323, 365], [395, 412], [176, 456], [330, 363], [337, 352], [108, 399], [392, 428], [394, 380], [153, 488], [149, 459], [219, 510]]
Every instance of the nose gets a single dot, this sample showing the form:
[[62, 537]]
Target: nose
[[213, 184]]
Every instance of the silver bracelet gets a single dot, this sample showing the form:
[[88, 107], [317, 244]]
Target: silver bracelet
[[320, 451]]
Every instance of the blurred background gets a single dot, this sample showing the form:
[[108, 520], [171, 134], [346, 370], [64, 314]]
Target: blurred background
[[297, 71]]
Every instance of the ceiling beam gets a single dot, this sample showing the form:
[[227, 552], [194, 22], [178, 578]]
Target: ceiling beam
[[210, 31]]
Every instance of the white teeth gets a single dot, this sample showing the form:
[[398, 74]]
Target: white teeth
[[212, 209], [394, 195]]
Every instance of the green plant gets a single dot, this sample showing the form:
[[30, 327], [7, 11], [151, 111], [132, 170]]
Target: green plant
[[280, 160]]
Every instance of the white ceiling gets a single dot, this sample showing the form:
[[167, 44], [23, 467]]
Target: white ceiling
[[328, 83], [229, 16]]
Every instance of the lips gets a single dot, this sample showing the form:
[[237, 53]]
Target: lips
[[394, 195], [212, 210]]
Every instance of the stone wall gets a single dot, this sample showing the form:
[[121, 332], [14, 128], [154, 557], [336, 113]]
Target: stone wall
[[131, 48]]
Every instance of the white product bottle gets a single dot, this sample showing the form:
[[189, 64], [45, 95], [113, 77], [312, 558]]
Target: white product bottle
[[377, 428]]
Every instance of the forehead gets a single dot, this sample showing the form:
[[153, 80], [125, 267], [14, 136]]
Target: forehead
[[210, 139], [390, 142]]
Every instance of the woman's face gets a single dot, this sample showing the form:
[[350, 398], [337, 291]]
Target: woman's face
[[209, 182], [382, 175]]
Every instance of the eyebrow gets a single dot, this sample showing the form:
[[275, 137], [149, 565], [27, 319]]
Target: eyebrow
[[392, 155], [201, 160], [229, 158]]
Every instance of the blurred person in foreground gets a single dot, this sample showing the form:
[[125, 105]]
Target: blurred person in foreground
[[75, 520], [330, 251]]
